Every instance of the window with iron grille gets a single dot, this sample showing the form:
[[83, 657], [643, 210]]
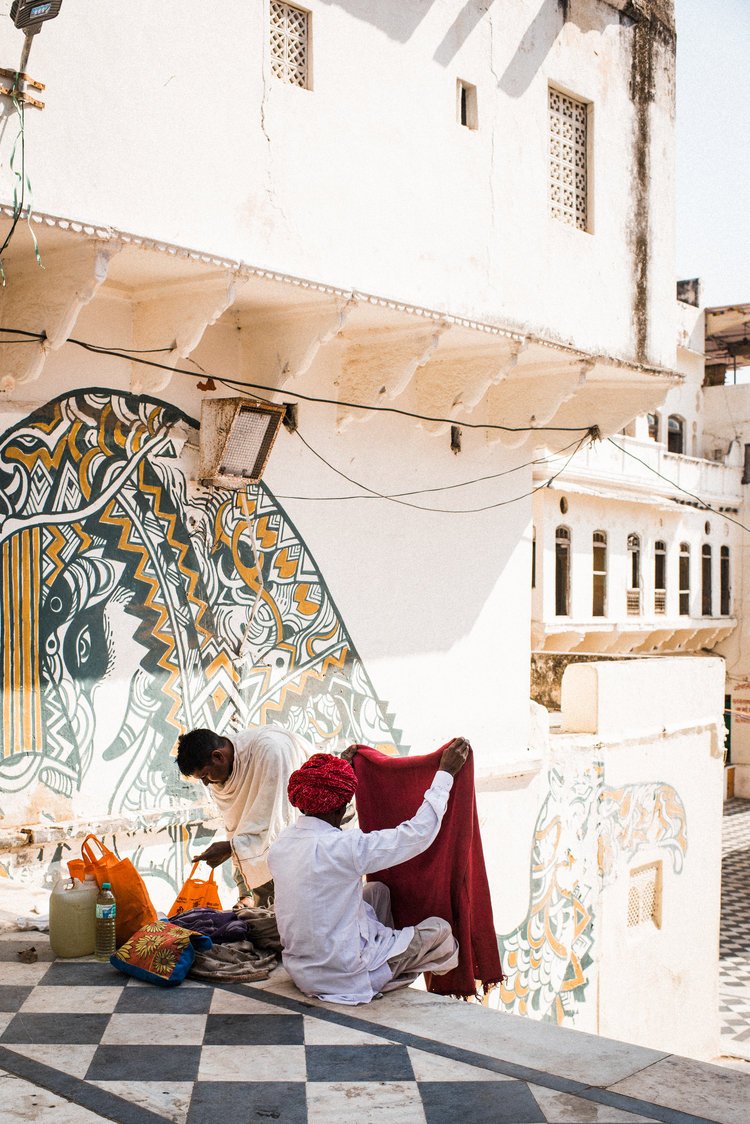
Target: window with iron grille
[[660, 576], [568, 158], [562, 572], [645, 895], [599, 600], [707, 609], [290, 47], [634, 589], [724, 594], [684, 576]]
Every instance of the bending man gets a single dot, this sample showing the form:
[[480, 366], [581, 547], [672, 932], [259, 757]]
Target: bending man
[[248, 778], [338, 936]]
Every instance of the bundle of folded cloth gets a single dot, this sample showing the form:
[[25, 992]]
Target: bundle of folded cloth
[[246, 943], [240, 963]]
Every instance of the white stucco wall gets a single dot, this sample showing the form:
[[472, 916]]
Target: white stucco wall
[[167, 121], [657, 983]]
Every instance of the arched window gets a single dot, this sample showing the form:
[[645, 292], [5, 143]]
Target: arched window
[[634, 576], [653, 426], [660, 576], [706, 581], [599, 601], [675, 434], [562, 572], [533, 557], [725, 595], [684, 576]]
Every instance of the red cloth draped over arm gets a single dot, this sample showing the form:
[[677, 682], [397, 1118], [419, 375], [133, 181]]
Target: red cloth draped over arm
[[449, 879]]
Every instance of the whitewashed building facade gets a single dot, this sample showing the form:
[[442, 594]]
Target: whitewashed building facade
[[410, 219]]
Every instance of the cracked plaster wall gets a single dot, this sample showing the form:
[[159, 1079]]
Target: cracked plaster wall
[[366, 180]]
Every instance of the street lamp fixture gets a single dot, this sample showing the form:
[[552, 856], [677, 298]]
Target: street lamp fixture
[[237, 435]]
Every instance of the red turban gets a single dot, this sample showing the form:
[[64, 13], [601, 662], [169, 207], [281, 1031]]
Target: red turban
[[322, 784]]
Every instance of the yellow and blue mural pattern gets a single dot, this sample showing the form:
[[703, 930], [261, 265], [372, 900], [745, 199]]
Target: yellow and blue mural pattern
[[125, 596]]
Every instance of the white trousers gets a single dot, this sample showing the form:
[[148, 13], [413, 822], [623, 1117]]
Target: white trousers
[[433, 948]]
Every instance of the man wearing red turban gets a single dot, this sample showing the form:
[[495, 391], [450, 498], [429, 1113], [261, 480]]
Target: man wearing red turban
[[338, 936]]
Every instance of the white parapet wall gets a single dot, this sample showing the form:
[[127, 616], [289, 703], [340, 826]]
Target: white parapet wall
[[639, 844], [630, 698]]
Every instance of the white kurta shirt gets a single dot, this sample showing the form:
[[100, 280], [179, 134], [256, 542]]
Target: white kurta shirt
[[334, 946], [253, 800]]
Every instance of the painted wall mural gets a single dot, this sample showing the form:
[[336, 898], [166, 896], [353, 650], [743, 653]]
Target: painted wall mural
[[585, 835], [125, 594]]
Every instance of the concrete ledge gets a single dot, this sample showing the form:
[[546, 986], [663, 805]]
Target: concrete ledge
[[632, 698]]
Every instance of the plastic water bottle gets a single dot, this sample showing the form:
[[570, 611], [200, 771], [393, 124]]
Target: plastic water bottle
[[106, 909]]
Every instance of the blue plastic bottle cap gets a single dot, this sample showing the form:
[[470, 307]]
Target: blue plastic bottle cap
[[105, 886]]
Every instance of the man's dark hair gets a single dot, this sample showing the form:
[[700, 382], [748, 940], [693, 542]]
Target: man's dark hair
[[194, 750]]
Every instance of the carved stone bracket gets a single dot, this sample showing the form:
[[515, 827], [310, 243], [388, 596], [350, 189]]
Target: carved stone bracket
[[279, 345], [177, 314], [48, 300]]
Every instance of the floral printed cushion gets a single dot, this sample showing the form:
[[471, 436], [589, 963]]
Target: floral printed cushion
[[160, 953]]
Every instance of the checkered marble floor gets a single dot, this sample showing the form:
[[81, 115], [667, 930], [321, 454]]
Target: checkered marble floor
[[734, 954], [80, 1042]]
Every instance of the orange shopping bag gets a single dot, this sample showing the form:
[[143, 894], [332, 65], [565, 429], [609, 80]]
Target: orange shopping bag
[[134, 908], [197, 893]]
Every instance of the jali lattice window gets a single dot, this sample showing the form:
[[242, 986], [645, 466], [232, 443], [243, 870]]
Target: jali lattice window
[[568, 180], [290, 48], [644, 895]]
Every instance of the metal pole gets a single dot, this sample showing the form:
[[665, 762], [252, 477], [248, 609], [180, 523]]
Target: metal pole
[[27, 41]]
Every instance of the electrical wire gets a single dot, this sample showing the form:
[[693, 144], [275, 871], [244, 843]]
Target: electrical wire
[[423, 507], [704, 506], [135, 357], [18, 206], [373, 494]]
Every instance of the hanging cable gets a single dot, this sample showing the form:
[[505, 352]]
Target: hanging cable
[[704, 506], [436, 510], [372, 494], [237, 384]]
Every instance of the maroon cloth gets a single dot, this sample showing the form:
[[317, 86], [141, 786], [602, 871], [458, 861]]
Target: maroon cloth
[[323, 784], [449, 879]]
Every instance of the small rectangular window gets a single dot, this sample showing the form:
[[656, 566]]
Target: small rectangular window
[[290, 46], [466, 105], [568, 159], [644, 895]]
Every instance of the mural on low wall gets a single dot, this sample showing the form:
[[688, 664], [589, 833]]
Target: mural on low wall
[[586, 833], [125, 596]]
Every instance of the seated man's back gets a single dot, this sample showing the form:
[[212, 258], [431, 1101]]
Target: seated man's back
[[336, 945]]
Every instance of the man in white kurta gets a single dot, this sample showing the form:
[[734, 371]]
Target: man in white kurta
[[338, 936], [247, 777]]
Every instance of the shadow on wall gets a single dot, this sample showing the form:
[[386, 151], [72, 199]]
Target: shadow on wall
[[400, 26], [540, 36], [400, 21]]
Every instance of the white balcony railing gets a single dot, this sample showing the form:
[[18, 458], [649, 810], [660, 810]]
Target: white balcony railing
[[604, 463]]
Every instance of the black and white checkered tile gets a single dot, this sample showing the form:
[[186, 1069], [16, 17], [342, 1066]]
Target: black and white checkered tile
[[80, 1042], [734, 955]]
